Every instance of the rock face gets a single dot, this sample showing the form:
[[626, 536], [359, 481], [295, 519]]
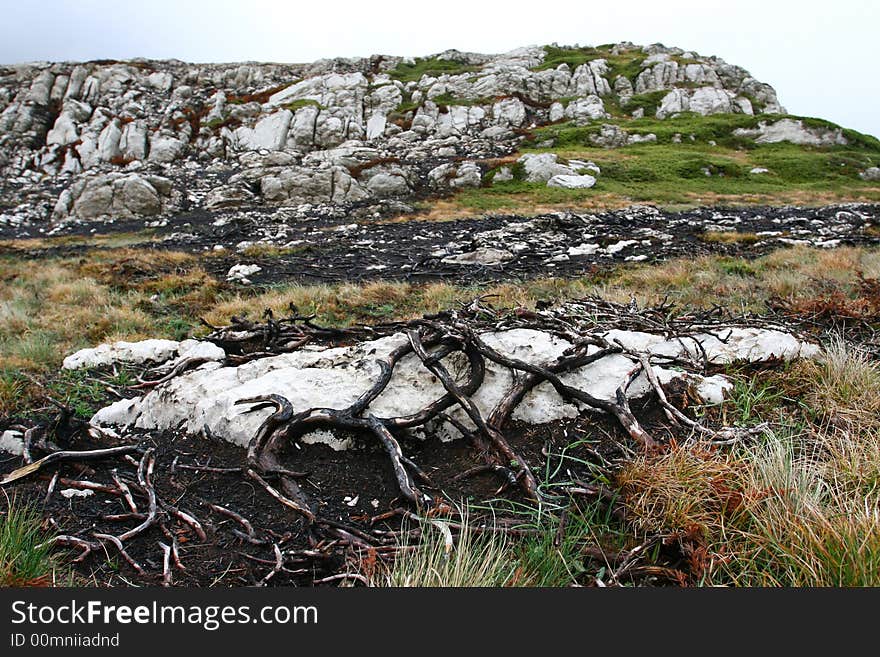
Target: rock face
[[139, 353], [794, 132], [108, 140], [115, 195], [204, 400], [703, 101]]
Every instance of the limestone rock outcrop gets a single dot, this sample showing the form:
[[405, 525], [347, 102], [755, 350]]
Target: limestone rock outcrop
[[91, 139]]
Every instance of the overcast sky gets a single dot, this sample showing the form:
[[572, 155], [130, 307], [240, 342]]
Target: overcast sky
[[821, 56]]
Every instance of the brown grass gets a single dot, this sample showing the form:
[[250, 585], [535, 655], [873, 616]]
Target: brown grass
[[680, 489], [729, 237]]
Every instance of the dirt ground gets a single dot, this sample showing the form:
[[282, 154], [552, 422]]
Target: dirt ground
[[350, 487]]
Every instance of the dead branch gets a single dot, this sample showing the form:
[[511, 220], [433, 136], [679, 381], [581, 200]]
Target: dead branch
[[279, 562], [145, 473], [56, 457], [166, 564]]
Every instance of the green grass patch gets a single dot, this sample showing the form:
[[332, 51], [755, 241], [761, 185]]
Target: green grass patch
[[25, 556], [627, 64], [302, 102], [649, 102], [449, 99], [405, 72]]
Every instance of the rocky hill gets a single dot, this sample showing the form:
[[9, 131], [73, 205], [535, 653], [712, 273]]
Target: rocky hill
[[111, 140]]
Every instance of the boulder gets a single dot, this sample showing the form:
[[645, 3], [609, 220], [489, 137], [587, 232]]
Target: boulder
[[541, 167], [383, 185], [228, 196], [133, 141], [467, 174], [793, 131], [139, 353], [486, 256], [270, 132], [115, 195], [612, 136], [123, 353], [872, 174], [571, 182], [703, 101], [509, 112], [108, 141], [585, 110], [376, 125], [298, 184], [12, 442], [239, 273], [204, 399], [165, 149]]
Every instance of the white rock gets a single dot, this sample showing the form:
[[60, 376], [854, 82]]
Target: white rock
[[467, 174], [571, 182], [204, 399], [509, 112], [108, 141], [584, 110], [619, 246], [76, 492], [704, 101], [241, 272], [270, 132], [376, 125], [63, 132], [557, 112], [583, 249], [749, 344], [713, 389], [321, 437], [481, 256], [793, 131], [134, 353], [541, 167], [502, 175], [385, 185], [871, 174], [199, 349], [12, 442], [165, 149], [133, 141]]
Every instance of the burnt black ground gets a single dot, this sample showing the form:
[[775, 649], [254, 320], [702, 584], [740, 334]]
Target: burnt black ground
[[362, 473], [307, 248]]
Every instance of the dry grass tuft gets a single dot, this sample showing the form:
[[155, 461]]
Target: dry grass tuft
[[730, 237], [681, 488], [471, 560], [842, 385]]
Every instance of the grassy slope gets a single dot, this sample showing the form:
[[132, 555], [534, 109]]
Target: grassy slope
[[667, 172]]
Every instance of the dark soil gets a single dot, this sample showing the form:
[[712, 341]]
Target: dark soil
[[349, 487]]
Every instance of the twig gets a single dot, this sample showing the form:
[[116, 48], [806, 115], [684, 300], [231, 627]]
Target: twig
[[145, 473], [55, 457], [343, 576], [279, 562], [166, 564]]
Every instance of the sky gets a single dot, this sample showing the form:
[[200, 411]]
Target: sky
[[819, 55]]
